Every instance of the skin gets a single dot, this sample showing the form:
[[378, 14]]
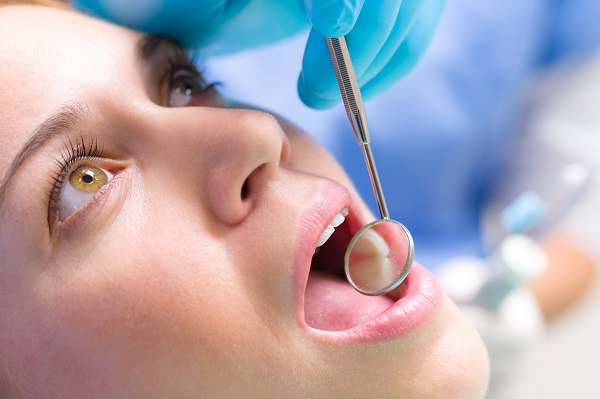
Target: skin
[[167, 283]]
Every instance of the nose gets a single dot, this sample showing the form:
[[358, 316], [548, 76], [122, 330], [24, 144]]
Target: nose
[[227, 156]]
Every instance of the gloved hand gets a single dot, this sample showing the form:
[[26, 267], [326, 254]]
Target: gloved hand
[[385, 42], [385, 37]]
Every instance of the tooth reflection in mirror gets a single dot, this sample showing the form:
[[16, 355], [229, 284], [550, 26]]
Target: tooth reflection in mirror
[[379, 257]]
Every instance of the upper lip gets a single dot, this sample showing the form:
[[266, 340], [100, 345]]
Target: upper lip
[[422, 293], [332, 198]]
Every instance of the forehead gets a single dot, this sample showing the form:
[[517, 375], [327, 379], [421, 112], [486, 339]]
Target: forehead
[[49, 58]]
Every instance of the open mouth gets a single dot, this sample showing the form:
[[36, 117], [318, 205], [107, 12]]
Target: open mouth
[[330, 302]]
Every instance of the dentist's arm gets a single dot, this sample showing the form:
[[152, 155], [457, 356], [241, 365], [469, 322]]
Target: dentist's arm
[[385, 37]]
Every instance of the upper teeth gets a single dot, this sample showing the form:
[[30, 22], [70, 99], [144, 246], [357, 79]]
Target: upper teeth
[[337, 220]]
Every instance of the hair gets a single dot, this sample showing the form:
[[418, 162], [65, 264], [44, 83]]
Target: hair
[[48, 3]]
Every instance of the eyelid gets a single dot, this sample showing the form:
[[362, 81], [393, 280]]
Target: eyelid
[[109, 165], [61, 176], [98, 210], [179, 60], [75, 153]]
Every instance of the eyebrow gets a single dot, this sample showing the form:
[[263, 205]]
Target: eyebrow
[[66, 118], [148, 45], [72, 115]]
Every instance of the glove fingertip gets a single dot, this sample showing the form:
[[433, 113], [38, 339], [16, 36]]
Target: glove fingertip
[[335, 29], [335, 19], [312, 100]]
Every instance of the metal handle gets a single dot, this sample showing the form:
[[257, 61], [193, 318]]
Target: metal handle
[[344, 71]]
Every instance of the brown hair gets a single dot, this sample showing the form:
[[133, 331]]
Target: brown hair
[[47, 3]]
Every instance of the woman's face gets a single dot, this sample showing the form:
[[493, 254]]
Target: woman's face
[[155, 242]]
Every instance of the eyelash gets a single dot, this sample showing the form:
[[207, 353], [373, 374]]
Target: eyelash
[[183, 61], [81, 150]]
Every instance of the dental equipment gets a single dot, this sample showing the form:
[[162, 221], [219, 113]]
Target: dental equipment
[[528, 218], [534, 212], [518, 258], [380, 254]]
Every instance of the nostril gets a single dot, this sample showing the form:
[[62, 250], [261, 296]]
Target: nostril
[[254, 181], [245, 189]]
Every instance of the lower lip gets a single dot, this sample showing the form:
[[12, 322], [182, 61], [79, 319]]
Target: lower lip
[[418, 305]]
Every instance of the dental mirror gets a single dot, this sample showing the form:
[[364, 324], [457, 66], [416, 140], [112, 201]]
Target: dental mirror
[[380, 254], [379, 257]]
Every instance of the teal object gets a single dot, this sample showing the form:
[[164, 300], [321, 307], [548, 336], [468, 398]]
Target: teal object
[[191, 22], [523, 213], [386, 38]]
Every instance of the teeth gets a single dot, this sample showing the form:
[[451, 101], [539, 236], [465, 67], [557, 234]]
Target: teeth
[[373, 273], [337, 220], [325, 236], [371, 244]]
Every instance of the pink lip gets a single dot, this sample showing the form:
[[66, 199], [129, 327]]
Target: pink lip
[[330, 200], [422, 292]]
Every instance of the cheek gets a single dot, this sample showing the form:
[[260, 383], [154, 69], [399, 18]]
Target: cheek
[[144, 298], [458, 365], [141, 315], [308, 156]]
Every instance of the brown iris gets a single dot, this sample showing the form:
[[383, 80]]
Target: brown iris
[[88, 179], [187, 85]]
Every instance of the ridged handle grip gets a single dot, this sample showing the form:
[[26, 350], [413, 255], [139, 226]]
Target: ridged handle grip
[[344, 71]]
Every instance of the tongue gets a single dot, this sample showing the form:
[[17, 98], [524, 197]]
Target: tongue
[[332, 304]]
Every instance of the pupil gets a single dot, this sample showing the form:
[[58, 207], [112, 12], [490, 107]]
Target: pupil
[[185, 90], [87, 179]]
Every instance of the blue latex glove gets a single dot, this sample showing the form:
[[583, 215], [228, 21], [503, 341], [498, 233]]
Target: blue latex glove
[[385, 42], [385, 37]]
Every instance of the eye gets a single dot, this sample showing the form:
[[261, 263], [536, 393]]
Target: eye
[[184, 86], [82, 184]]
